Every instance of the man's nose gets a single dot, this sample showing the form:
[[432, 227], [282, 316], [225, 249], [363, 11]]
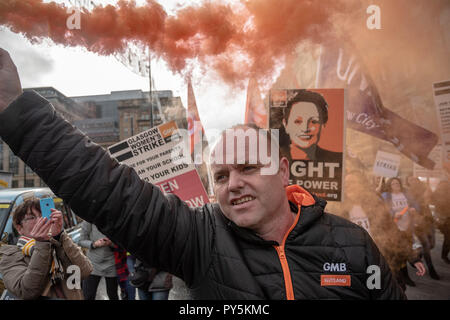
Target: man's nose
[[235, 181]]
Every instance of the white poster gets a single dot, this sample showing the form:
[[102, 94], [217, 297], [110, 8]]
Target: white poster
[[312, 135], [386, 164], [441, 91], [157, 157]]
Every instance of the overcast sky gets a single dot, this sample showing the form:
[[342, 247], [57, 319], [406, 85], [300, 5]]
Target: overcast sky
[[75, 72]]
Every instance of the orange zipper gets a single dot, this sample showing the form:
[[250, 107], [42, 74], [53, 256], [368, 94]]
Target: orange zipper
[[286, 273], [284, 263]]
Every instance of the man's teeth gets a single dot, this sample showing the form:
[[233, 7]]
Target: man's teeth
[[242, 200]]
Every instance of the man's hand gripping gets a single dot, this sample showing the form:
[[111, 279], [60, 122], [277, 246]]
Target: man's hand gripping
[[10, 87]]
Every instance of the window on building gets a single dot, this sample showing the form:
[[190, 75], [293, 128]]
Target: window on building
[[29, 183], [13, 163], [164, 101], [15, 184], [28, 170]]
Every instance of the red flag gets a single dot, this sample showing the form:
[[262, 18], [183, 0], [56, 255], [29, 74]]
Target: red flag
[[195, 127], [255, 111], [197, 138]]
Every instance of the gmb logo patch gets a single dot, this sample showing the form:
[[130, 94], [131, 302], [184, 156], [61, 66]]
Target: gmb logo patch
[[341, 267]]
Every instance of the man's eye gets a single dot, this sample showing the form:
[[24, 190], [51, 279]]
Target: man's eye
[[220, 178], [248, 168]]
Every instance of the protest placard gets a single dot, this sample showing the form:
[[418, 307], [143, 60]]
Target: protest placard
[[311, 124], [386, 164], [441, 92], [158, 156]]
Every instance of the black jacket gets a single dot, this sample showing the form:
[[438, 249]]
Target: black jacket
[[215, 258]]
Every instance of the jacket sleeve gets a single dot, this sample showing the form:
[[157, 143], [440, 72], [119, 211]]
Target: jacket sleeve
[[387, 288], [162, 231], [76, 256], [27, 281], [85, 241], [414, 256]]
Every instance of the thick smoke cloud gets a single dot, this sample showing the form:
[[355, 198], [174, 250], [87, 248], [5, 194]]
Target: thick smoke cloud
[[236, 40], [31, 62]]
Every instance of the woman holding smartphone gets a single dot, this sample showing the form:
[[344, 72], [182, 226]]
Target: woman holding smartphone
[[40, 265]]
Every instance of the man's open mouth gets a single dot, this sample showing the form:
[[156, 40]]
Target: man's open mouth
[[242, 200]]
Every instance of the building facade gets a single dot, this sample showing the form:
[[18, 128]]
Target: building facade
[[106, 119], [130, 110], [23, 176]]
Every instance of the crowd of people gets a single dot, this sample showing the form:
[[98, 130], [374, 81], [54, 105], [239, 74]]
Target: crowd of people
[[37, 266], [399, 218], [263, 238]]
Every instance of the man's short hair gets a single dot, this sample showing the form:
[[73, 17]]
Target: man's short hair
[[23, 209], [269, 134], [308, 96]]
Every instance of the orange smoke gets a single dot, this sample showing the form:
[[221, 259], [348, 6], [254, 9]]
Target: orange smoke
[[236, 40], [105, 30]]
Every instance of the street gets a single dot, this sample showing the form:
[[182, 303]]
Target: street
[[427, 288]]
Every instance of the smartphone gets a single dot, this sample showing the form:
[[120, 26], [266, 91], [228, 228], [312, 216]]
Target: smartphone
[[46, 205]]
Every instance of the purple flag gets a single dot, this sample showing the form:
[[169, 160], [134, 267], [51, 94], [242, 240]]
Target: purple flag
[[366, 112]]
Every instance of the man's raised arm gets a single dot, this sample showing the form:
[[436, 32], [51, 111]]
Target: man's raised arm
[[159, 230], [10, 87]]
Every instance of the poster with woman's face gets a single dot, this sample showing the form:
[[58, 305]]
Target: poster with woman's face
[[311, 124]]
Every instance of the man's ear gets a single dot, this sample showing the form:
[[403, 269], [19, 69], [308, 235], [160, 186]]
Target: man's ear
[[284, 171]]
